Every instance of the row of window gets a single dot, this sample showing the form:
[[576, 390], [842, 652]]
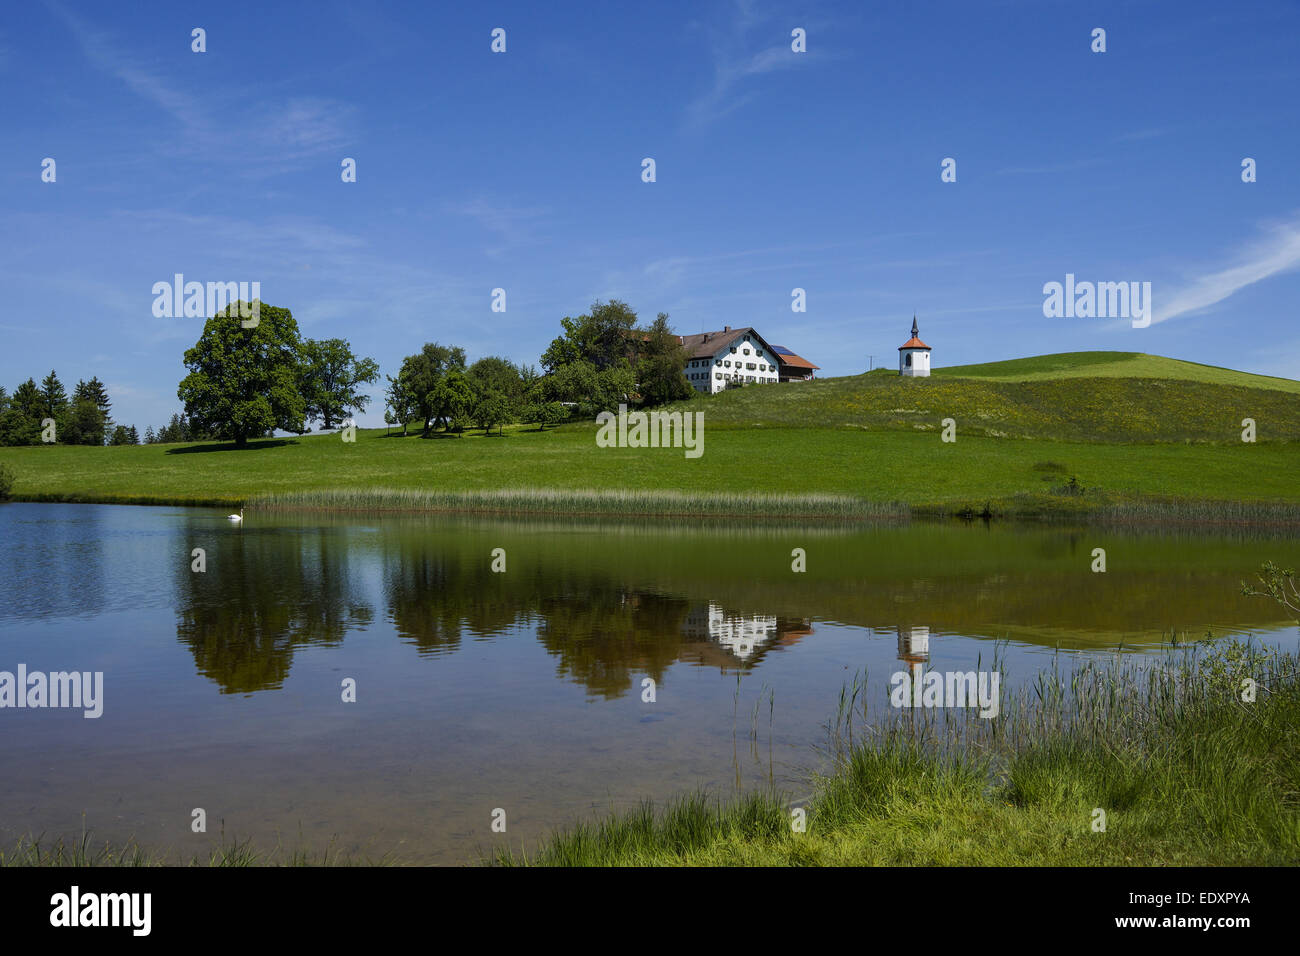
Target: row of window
[[761, 366], [698, 376]]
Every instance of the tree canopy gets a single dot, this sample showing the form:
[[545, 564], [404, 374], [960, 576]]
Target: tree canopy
[[243, 382], [330, 378]]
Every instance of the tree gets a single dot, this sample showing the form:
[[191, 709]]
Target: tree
[[85, 424], [454, 398], [490, 410], [421, 372], [571, 382], [661, 366], [17, 429], [542, 414], [95, 391], [243, 382], [27, 400], [149, 437], [604, 337], [20, 423], [133, 436], [400, 401], [498, 375], [331, 375], [121, 436], [54, 400]]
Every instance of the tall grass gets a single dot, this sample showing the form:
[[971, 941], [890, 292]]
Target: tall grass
[[1185, 771], [625, 502]]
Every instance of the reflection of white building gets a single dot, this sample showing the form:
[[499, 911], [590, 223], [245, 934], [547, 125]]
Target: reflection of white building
[[736, 633], [914, 649]]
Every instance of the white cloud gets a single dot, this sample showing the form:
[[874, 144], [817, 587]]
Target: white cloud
[[1278, 252], [733, 63]]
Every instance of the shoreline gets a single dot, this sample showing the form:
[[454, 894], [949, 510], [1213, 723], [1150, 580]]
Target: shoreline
[[672, 506]]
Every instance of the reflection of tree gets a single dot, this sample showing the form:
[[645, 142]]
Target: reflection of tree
[[262, 596], [603, 633], [433, 595]]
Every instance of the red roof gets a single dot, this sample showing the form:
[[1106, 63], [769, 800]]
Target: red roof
[[913, 343], [794, 361]]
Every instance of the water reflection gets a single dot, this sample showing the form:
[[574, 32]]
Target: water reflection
[[434, 597], [914, 651], [610, 609], [263, 595]]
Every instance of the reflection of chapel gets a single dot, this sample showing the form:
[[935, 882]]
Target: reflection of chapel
[[914, 355], [914, 650]]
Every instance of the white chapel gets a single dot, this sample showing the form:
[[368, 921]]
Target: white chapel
[[914, 355]]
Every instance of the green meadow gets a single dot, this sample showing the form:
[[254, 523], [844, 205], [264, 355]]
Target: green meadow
[[1032, 437]]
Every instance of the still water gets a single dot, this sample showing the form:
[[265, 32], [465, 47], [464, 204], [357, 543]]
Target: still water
[[521, 690]]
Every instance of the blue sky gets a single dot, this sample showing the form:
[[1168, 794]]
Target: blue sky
[[522, 170]]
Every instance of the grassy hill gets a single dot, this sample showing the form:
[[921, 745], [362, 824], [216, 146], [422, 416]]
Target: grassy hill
[[1113, 365], [1169, 447], [1078, 396]]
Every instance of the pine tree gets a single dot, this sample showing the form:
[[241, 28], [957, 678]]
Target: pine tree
[[149, 437], [95, 393], [54, 400], [133, 436]]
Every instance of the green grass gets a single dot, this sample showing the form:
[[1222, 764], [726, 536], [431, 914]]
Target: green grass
[[1113, 365], [877, 467], [1157, 448], [1186, 773], [1105, 409]]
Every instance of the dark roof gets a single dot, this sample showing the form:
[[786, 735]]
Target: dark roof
[[705, 344]]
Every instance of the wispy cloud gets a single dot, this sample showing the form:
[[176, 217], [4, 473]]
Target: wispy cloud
[[272, 137], [99, 49], [737, 59], [1277, 252], [512, 224], [1051, 167], [1140, 134]]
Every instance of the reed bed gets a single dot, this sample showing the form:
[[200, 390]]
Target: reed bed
[[1161, 751], [627, 503]]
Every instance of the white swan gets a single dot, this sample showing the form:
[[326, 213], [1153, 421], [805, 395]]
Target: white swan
[[238, 517]]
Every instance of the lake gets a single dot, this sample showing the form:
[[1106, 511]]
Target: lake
[[522, 689]]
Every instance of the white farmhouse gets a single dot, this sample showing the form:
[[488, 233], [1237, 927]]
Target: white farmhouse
[[914, 355], [715, 359]]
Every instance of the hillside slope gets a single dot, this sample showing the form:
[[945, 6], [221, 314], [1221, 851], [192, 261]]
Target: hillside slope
[[1113, 365], [1051, 399]]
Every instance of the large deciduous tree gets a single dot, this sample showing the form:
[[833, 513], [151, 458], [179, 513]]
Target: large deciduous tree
[[421, 373], [243, 382], [331, 376], [604, 337]]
